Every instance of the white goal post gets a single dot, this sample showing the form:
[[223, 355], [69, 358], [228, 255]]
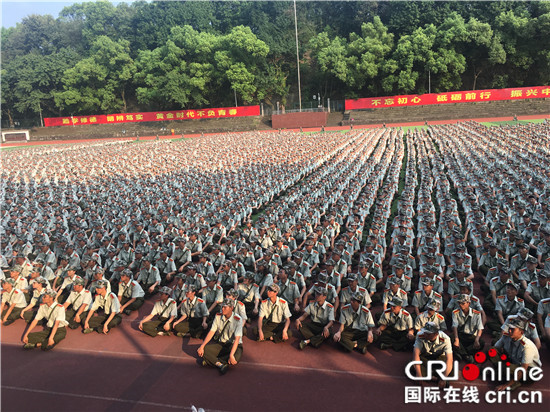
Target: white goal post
[[15, 136]]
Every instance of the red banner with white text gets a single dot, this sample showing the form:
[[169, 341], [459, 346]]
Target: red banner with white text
[[517, 93], [216, 113]]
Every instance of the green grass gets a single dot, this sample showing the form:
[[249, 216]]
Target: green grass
[[328, 131], [401, 185], [534, 120], [2, 148], [407, 128], [512, 122], [255, 216], [153, 140]]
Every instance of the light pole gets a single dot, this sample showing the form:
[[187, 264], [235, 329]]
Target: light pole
[[40, 111], [297, 57]]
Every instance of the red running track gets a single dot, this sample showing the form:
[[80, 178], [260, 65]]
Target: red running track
[[128, 370]]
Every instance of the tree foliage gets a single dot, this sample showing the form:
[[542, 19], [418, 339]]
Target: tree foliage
[[98, 82], [100, 57]]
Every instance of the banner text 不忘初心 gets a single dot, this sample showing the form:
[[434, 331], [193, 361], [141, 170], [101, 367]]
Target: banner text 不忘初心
[[449, 97]]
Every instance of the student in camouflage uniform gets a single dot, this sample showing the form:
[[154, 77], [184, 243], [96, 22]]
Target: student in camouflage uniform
[[395, 327], [321, 314], [54, 330], [467, 330], [432, 344], [223, 345], [166, 310], [274, 317], [356, 325]]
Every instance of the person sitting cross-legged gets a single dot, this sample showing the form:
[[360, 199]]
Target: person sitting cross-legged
[[274, 317], [395, 327], [194, 315], [110, 318], [55, 328], [223, 345], [467, 330], [80, 301], [432, 344], [166, 310], [13, 302], [356, 324], [321, 314]]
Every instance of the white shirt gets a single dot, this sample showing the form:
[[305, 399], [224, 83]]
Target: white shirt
[[230, 329], [109, 303], [274, 312], [130, 290], [78, 299], [52, 314], [166, 309]]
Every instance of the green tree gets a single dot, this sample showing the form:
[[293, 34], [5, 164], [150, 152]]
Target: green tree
[[99, 82], [35, 34], [241, 60], [197, 69], [483, 50], [540, 70], [517, 32], [179, 73], [152, 22], [99, 18], [430, 53], [273, 84], [356, 63], [8, 99], [331, 56], [367, 53]]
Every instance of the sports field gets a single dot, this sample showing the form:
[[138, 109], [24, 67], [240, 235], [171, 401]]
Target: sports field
[[128, 370], [494, 121]]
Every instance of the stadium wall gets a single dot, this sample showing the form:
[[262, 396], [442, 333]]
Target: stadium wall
[[300, 119]]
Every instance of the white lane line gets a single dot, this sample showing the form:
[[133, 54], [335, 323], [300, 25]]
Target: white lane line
[[101, 398], [258, 364], [193, 360]]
